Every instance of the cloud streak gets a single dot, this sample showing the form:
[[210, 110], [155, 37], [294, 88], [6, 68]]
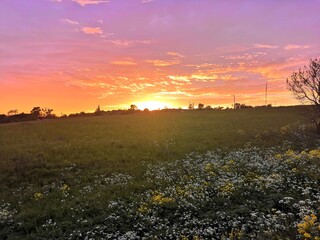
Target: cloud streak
[[92, 30], [295, 46], [66, 20], [90, 2]]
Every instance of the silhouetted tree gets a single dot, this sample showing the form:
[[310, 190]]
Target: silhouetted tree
[[208, 107], [237, 106], [200, 106], [13, 112], [3, 118], [47, 113], [42, 112], [36, 111], [305, 85], [191, 106], [133, 107]]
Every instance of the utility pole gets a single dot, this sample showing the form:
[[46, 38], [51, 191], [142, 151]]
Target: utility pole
[[266, 97], [234, 101]]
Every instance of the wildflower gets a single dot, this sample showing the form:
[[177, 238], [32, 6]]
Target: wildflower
[[290, 153], [160, 199], [208, 167], [143, 208], [307, 235], [308, 226], [227, 188], [315, 153], [65, 188], [38, 195], [183, 237], [278, 156]]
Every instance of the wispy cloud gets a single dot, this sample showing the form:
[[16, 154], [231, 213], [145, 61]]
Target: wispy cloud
[[125, 63], [294, 46], [163, 63], [128, 43], [66, 20], [88, 2], [147, 1], [246, 56], [175, 54], [258, 45], [92, 30], [195, 77]]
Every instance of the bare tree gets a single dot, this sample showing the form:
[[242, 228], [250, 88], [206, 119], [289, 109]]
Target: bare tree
[[305, 85]]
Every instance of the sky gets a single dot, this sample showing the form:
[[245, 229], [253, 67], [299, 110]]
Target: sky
[[72, 55]]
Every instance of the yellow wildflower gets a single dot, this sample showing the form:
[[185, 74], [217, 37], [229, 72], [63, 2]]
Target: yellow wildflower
[[208, 167], [309, 226], [315, 153], [227, 188], [38, 195], [290, 153], [143, 208], [160, 199], [278, 156], [65, 188], [307, 235]]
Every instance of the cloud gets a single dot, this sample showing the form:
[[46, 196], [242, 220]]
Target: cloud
[[125, 63], [175, 54], [66, 20], [88, 2], [257, 45], [163, 63], [146, 1], [294, 46], [195, 77], [246, 56], [128, 43], [179, 78], [92, 30]]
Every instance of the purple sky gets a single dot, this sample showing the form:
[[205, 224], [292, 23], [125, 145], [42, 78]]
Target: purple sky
[[72, 55]]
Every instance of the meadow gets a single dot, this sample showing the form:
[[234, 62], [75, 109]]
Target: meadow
[[233, 174]]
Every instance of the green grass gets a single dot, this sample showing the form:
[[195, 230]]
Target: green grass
[[35, 151], [37, 154]]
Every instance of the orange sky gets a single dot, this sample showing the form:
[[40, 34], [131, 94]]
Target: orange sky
[[71, 55]]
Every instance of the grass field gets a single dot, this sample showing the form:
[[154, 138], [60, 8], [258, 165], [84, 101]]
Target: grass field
[[58, 177]]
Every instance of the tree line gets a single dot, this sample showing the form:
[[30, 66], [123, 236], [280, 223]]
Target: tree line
[[36, 113]]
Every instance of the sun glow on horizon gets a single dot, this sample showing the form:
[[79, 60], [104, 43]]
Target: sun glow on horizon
[[153, 105]]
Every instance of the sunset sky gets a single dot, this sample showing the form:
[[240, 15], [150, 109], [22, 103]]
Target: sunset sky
[[71, 55]]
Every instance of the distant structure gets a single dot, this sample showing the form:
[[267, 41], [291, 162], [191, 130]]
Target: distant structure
[[266, 96]]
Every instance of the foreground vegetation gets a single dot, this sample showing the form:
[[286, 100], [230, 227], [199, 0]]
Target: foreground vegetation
[[133, 176]]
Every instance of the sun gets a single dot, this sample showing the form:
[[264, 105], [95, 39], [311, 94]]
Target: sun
[[153, 105]]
